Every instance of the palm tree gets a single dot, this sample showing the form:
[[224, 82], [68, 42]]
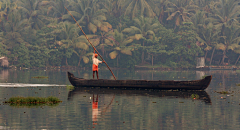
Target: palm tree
[[67, 35], [88, 13], [207, 37], [14, 29], [101, 39], [121, 46], [56, 9], [230, 38], [113, 7], [77, 8], [3, 47], [206, 32], [6, 7], [181, 11], [160, 8], [202, 3], [237, 50], [137, 7], [3, 10], [199, 20], [144, 28], [80, 49], [31, 10], [225, 13]]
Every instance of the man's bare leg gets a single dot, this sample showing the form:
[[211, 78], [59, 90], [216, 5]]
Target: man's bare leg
[[97, 74]]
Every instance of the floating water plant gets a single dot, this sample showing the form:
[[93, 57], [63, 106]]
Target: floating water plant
[[70, 87], [40, 77], [224, 92], [195, 96], [204, 76], [238, 84], [33, 101]]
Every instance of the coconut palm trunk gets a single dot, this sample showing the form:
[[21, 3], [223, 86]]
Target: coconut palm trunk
[[206, 55], [143, 53], [237, 60], [223, 57], [79, 61], [224, 53], [66, 62], [117, 61], [152, 60], [212, 56]]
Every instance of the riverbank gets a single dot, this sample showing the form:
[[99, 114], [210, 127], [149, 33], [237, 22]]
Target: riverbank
[[149, 67], [136, 67]]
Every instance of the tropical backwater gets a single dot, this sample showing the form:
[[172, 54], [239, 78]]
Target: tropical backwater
[[112, 109]]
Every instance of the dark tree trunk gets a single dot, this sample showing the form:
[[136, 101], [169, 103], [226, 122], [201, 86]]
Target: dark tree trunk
[[143, 53], [66, 62], [161, 15], [224, 52], [237, 60], [206, 54], [152, 60], [223, 57], [212, 56], [79, 61], [117, 61]]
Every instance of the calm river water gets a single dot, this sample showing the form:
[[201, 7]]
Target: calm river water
[[112, 109]]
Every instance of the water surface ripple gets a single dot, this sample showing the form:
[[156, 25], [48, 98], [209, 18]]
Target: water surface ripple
[[111, 109]]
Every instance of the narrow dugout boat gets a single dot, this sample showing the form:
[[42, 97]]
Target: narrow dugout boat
[[141, 84]]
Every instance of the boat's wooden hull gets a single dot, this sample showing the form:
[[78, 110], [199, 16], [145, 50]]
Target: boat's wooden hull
[[142, 84]]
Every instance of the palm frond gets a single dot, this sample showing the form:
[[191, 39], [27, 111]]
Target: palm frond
[[92, 27], [82, 45], [173, 15], [113, 54], [126, 51], [85, 59]]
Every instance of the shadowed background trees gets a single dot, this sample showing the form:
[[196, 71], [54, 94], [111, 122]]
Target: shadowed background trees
[[164, 33]]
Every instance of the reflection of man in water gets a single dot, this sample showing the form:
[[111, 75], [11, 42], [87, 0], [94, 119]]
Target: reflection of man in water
[[95, 111]]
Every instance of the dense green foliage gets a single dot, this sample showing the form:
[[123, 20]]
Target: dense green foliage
[[32, 101], [173, 33]]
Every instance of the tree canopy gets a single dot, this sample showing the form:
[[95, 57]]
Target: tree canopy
[[172, 33]]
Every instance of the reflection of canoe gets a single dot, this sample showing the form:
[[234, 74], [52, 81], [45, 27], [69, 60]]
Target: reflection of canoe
[[197, 95], [143, 84]]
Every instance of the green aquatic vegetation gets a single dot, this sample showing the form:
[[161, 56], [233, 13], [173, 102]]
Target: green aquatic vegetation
[[204, 76], [195, 96], [224, 92], [40, 77], [33, 101], [70, 87], [238, 84]]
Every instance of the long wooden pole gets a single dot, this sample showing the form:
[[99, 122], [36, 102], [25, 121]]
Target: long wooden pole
[[91, 43]]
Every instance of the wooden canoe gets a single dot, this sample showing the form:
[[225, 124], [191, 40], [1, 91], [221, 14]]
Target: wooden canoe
[[141, 84]]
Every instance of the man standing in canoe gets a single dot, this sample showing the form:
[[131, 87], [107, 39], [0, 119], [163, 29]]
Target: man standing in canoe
[[95, 63]]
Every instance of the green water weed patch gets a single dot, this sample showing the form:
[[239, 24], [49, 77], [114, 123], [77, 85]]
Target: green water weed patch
[[33, 101], [40, 77]]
